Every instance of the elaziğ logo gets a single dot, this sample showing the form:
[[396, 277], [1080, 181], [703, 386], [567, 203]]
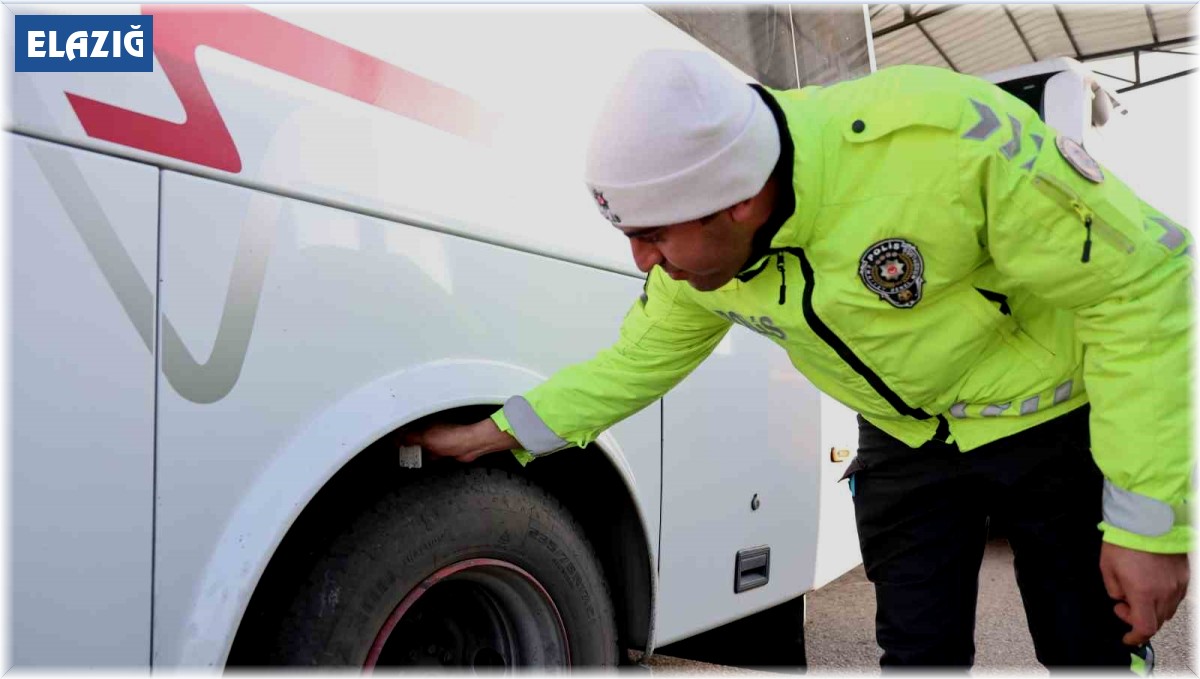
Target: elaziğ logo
[[84, 43]]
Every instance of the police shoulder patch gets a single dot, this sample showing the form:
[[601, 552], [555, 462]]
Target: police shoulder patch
[[894, 270], [1074, 153]]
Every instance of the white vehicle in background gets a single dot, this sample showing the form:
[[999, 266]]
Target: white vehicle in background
[[1067, 95], [235, 277]]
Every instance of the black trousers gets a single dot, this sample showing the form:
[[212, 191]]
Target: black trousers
[[923, 519]]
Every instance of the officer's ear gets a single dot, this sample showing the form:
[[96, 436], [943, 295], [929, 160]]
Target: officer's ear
[[757, 208], [743, 211]]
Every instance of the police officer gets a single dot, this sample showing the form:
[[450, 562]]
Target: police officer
[[1009, 320]]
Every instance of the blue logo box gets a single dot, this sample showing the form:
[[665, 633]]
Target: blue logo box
[[107, 43]]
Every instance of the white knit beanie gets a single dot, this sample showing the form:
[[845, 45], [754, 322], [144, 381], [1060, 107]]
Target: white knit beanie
[[680, 138]]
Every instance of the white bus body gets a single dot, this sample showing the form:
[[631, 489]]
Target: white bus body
[[305, 229]]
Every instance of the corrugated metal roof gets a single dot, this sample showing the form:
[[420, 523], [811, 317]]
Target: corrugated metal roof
[[1100, 28], [1042, 29], [907, 46], [1172, 20], [960, 34], [886, 15], [980, 39]]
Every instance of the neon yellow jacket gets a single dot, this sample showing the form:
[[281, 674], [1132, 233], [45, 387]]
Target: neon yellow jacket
[[929, 272]]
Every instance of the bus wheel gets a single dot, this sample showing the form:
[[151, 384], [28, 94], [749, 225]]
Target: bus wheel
[[473, 567]]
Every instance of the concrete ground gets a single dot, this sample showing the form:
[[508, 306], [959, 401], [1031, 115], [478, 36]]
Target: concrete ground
[[840, 630]]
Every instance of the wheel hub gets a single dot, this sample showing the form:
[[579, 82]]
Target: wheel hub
[[478, 613]]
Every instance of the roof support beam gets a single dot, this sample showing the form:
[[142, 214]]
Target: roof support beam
[[1116, 77], [1153, 26], [1156, 81], [936, 46], [1063, 20], [1135, 48], [1020, 33], [1186, 54], [912, 20]]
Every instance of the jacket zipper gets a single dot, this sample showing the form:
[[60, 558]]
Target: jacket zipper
[[1063, 196], [842, 350], [782, 277]]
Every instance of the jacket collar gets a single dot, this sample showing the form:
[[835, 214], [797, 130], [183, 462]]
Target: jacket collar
[[788, 220]]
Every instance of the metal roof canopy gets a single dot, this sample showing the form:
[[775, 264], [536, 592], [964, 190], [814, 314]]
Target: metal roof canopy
[[980, 39]]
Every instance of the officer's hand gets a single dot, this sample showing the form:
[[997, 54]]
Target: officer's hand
[[1148, 586], [463, 442]]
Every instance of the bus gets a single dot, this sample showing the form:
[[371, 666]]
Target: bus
[[237, 276]]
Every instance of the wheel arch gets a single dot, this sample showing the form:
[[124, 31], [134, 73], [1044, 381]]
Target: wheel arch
[[350, 441]]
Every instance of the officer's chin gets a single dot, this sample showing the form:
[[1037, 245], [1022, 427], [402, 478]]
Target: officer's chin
[[708, 284]]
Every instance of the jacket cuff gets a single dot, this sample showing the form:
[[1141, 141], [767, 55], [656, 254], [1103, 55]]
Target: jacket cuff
[[1178, 540], [523, 456], [1141, 514], [529, 429]]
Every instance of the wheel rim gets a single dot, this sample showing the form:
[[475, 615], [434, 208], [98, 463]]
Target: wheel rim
[[478, 613]]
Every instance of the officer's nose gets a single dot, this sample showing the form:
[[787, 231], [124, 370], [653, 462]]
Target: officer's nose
[[645, 255]]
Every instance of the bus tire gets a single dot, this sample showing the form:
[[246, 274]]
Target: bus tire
[[465, 567]]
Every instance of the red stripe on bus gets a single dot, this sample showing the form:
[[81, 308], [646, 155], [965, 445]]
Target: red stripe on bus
[[203, 137]]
